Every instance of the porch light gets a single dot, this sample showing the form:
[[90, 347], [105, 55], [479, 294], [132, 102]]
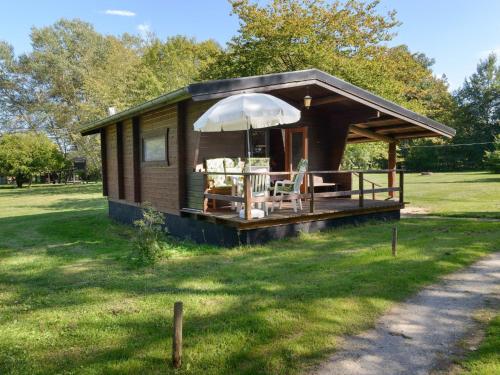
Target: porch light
[[307, 101]]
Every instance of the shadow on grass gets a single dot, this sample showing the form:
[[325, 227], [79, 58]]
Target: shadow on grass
[[437, 181], [49, 189], [487, 215], [77, 204], [260, 293]]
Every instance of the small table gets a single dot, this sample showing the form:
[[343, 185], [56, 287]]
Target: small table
[[321, 186], [223, 190]]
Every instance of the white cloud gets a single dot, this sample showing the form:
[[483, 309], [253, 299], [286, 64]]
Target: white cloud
[[119, 12], [144, 30]]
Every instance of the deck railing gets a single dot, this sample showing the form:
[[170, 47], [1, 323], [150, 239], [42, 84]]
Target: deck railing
[[373, 183], [310, 194]]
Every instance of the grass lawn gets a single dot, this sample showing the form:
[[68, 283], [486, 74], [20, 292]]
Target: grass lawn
[[458, 194], [71, 302], [486, 359]]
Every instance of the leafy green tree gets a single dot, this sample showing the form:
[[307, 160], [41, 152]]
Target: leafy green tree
[[478, 113], [18, 94], [371, 155], [346, 39], [177, 61], [492, 158], [24, 155], [293, 34], [476, 117], [74, 74]]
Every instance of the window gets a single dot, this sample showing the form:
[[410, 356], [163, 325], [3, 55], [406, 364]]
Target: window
[[260, 143], [153, 148]]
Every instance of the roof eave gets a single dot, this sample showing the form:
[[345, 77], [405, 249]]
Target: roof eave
[[226, 87], [221, 88], [169, 98]]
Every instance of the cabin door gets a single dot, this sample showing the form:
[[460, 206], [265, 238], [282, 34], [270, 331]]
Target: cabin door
[[296, 148]]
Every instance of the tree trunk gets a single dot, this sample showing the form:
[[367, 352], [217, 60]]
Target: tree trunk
[[19, 181]]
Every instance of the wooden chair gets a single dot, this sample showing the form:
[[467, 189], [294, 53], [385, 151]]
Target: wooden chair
[[260, 183], [286, 188]]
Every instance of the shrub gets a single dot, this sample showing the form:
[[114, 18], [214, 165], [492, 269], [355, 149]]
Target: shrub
[[492, 158], [492, 161], [149, 241]]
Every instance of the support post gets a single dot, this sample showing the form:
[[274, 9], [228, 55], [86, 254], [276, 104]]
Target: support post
[[401, 187], [311, 191], [104, 161], [177, 336], [361, 192], [181, 151], [247, 186], [205, 190], [120, 161], [394, 241], [136, 156], [373, 191], [392, 166]]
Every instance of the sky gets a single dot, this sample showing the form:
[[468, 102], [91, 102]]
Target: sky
[[455, 33]]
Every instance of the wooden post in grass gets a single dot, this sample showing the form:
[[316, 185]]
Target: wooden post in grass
[[177, 337], [394, 241]]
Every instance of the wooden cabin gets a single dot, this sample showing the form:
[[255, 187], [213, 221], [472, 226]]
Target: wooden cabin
[[150, 153]]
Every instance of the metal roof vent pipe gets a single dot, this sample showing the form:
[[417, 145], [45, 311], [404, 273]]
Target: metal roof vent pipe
[[111, 111]]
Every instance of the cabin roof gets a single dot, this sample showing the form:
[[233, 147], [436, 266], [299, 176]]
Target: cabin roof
[[329, 88]]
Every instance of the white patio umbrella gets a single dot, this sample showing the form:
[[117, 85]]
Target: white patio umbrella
[[246, 111]]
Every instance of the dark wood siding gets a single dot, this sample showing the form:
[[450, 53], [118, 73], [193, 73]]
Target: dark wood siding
[[136, 158], [128, 161], [104, 161], [119, 160], [159, 180], [327, 140], [112, 165], [181, 151]]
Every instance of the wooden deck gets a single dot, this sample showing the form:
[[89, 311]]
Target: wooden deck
[[326, 208]]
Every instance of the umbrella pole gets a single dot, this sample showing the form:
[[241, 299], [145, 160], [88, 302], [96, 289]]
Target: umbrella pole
[[248, 141]]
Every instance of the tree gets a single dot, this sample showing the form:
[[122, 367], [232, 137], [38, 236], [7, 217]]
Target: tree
[[24, 155], [476, 117], [492, 158], [478, 113], [177, 61], [293, 34], [19, 94], [346, 39], [74, 74], [365, 156]]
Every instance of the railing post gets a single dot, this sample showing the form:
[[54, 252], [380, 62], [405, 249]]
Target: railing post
[[311, 191], [373, 191], [361, 192], [401, 186], [392, 166], [247, 187]]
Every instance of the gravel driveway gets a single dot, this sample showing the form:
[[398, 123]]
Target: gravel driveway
[[416, 336]]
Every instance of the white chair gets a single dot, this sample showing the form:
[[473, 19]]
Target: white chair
[[291, 187], [260, 183]]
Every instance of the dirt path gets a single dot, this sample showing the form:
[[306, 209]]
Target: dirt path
[[422, 333]]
